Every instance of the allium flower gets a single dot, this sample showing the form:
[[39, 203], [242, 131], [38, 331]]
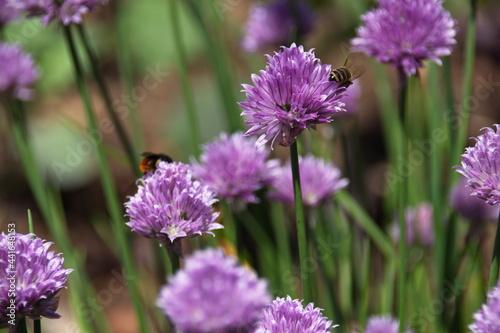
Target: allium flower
[[382, 324], [272, 24], [213, 294], [404, 33], [66, 12], [419, 225], [17, 72], [471, 207], [233, 167], [170, 204], [8, 12], [291, 95], [320, 180], [487, 320], [480, 164], [37, 274], [287, 315]]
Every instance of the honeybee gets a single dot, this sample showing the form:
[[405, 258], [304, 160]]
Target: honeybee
[[151, 161], [347, 73]]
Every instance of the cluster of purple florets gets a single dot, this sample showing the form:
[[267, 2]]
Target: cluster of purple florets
[[214, 292], [65, 12]]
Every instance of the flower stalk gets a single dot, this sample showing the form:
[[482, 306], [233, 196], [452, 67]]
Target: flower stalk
[[495, 259], [301, 224], [112, 201]]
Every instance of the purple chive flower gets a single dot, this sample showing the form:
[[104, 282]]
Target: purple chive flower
[[213, 294], [287, 315], [419, 225], [320, 181], [471, 207], [404, 33], [169, 204], [8, 12], [233, 167], [382, 324], [487, 320], [17, 72], [272, 24], [480, 164], [37, 274], [66, 12], [291, 95]]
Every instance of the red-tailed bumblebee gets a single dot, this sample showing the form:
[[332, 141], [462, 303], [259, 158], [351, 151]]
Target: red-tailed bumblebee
[[150, 161]]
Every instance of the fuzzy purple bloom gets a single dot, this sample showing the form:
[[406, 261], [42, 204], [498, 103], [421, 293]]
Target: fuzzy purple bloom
[[8, 12], [39, 275], [66, 12], [419, 225], [320, 180], [404, 33], [471, 207], [272, 24], [487, 320], [287, 315], [291, 95], [481, 165], [17, 72], [233, 167], [382, 324], [169, 204], [213, 294]]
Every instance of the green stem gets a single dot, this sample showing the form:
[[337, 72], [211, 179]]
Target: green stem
[[464, 112], [122, 135], [495, 260], [369, 226], [301, 224], [183, 71], [403, 201], [437, 181], [126, 70], [21, 326], [283, 243], [174, 261], [230, 229], [30, 223], [112, 202], [216, 52], [37, 326]]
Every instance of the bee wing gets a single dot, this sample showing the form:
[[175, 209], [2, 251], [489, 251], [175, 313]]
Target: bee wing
[[147, 154], [351, 63], [356, 71]]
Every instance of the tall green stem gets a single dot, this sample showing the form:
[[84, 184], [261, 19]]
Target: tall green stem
[[283, 245], [37, 326], [21, 326], [53, 217], [216, 51], [437, 179], [122, 135], [495, 260], [112, 202], [403, 201], [464, 112], [124, 59], [183, 71], [301, 224]]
